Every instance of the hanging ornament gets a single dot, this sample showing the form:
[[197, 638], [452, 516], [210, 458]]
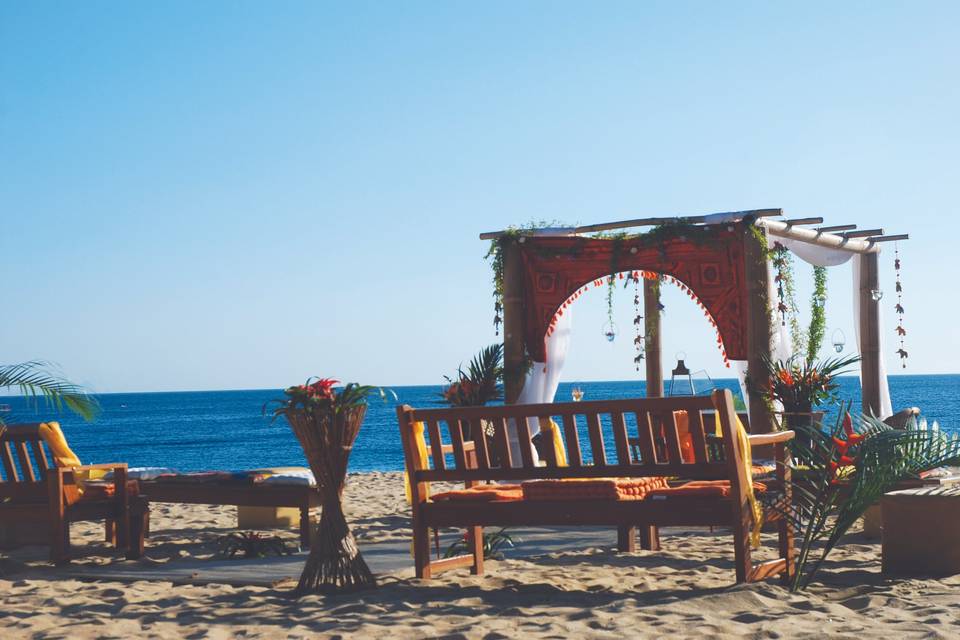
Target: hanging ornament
[[497, 318], [637, 322], [901, 332], [839, 340], [610, 331], [780, 264]]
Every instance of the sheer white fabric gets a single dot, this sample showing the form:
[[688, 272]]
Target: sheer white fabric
[[543, 379]]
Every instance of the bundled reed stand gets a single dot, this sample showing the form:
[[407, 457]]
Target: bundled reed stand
[[334, 564]]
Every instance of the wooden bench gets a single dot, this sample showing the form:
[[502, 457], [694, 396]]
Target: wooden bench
[[239, 493], [640, 421], [33, 490]]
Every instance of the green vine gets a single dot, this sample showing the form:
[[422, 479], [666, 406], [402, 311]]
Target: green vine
[[818, 316]]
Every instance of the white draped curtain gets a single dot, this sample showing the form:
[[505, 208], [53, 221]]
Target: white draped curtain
[[780, 343]]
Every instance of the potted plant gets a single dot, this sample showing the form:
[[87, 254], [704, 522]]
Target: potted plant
[[326, 422], [478, 385], [802, 385]]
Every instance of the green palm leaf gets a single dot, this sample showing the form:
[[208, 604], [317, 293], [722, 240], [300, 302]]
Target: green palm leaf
[[35, 380]]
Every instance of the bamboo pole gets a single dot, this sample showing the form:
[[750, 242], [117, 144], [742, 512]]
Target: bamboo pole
[[652, 338], [513, 347], [820, 238], [869, 335], [637, 222], [757, 315]]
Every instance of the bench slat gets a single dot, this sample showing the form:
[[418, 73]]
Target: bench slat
[[436, 445], [502, 438], [41, 457], [672, 436], [645, 438], [697, 433], [480, 443], [526, 446], [456, 438], [710, 471], [26, 468], [596, 440], [7, 456], [620, 438], [574, 456]]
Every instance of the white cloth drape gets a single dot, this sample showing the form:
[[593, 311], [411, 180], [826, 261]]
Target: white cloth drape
[[542, 380], [780, 343]]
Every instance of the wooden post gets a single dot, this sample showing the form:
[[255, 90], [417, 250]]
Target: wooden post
[[513, 347], [651, 329], [869, 335], [757, 316]]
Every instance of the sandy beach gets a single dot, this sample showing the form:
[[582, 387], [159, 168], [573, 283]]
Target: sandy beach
[[686, 590]]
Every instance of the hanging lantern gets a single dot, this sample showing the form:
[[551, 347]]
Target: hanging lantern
[[839, 340], [610, 331], [876, 294]]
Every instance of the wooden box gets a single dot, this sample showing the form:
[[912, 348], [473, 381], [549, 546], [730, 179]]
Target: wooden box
[[268, 517], [921, 531]]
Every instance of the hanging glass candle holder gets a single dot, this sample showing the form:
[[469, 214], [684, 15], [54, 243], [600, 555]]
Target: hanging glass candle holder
[[610, 331], [839, 340], [876, 294]]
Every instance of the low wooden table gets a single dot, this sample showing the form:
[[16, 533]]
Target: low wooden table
[[239, 493], [873, 517], [921, 531]]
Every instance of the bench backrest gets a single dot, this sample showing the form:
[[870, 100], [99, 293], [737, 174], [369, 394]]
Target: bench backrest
[[644, 426], [24, 461]]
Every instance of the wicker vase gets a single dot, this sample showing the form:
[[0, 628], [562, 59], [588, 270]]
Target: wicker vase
[[334, 564]]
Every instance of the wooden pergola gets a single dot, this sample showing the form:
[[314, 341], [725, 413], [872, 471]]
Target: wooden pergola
[[543, 268]]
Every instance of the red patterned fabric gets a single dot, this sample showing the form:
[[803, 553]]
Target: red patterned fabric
[[555, 268]]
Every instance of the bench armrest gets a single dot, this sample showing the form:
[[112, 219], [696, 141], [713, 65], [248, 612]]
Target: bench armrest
[[761, 439]]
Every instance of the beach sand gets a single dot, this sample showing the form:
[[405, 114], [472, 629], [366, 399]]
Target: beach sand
[[686, 590]]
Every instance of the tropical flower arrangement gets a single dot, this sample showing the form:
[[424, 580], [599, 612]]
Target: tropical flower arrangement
[[321, 396], [802, 385], [846, 470], [478, 385]]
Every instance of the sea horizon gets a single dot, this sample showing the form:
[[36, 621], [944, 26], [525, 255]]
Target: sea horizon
[[227, 430]]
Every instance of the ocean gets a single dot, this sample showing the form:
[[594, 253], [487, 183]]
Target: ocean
[[226, 430]]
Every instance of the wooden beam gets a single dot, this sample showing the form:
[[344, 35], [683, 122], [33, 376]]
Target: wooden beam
[[637, 222], [798, 221], [757, 316], [869, 335], [839, 227], [812, 236], [513, 351], [652, 342], [899, 236], [863, 233]]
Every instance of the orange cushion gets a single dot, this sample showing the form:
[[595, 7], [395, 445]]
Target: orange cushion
[[104, 489], [702, 488], [483, 493], [591, 488]]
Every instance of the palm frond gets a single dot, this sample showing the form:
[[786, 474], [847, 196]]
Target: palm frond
[[35, 380]]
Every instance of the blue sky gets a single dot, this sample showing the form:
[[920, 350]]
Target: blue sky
[[239, 195]]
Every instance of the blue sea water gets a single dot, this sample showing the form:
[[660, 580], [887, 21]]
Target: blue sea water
[[226, 430]]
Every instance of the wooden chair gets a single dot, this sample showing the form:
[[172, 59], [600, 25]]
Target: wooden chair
[[34, 490], [647, 419]]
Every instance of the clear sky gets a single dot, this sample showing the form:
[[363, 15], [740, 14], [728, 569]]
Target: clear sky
[[213, 195]]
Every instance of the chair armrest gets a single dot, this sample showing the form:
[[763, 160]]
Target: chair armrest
[[106, 466], [761, 439]]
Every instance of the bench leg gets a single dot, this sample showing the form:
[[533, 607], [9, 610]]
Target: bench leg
[[60, 543], [421, 551], [649, 538], [110, 531], [741, 547], [138, 531], [475, 542], [785, 540], [626, 539]]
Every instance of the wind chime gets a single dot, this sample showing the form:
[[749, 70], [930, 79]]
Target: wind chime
[[637, 321], [901, 332], [780, 264]]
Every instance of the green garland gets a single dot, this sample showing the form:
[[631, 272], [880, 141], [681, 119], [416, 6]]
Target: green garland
[[818, 316]]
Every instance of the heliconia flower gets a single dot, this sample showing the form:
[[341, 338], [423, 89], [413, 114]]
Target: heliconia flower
[[848, 425], [846, 461]]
